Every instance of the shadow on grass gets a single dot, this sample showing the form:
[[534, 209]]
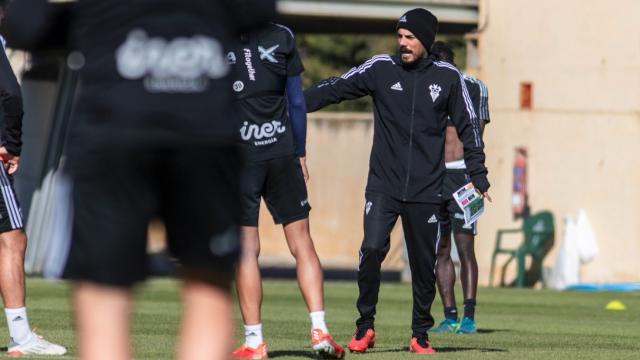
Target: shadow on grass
[[489, 331], [379, 350], [459, 349], [299, 353], [405, 349]]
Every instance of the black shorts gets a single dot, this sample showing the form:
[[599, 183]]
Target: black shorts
[[10, 212], [452, 218], [281, 182], [116, 192]]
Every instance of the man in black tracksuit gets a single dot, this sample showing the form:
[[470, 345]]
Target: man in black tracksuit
[[413, 96]]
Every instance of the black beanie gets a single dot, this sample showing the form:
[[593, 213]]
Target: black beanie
[[422, 23]]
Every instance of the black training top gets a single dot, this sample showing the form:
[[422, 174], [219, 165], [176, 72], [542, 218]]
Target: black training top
[[479, 97], [262, 61], [10, 107], [411, 106], [154, 71]]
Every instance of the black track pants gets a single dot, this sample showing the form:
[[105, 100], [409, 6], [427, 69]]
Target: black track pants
[[422, 233]]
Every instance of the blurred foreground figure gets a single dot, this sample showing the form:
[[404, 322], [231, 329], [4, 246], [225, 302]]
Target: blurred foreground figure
[[151, 137], [13, 240], [453, 218], [272, 125]]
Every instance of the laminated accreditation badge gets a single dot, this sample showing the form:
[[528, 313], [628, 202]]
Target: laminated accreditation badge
[[471, 203]]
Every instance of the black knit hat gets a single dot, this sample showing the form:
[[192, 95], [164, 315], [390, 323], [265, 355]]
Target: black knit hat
[[422, 23]]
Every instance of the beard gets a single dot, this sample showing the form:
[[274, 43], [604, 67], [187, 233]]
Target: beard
[[404, 50]]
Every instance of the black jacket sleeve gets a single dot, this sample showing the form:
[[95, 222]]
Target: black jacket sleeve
[[11, 108], [355, 83], [466, 122]]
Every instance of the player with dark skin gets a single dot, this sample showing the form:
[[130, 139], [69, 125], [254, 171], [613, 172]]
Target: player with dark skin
[[464, 235], [445, 269]]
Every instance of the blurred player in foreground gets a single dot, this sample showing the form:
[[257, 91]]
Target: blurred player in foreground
[[152, 137]]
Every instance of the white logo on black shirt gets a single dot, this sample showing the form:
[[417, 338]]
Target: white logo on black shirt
[[259, 132], [247, 61], [397, 86], [367, 207], [182, 65], [432, 219], [269, 53], [435, 91]]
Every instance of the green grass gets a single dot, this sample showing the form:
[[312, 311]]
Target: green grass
[[513, 324]]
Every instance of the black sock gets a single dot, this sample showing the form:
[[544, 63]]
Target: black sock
[[470, 308], [361, 332], [451, 312], [423, 341]]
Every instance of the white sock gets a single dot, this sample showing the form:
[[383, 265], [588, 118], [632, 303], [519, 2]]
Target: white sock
[[18, 324], [317, 321], [253, 335]]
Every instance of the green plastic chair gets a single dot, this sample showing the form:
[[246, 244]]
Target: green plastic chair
[[538, 238]]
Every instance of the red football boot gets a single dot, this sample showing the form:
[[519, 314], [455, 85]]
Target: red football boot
[[420, 347], [362, 340]]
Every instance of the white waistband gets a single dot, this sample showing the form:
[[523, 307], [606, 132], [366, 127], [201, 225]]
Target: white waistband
[[457, 164]]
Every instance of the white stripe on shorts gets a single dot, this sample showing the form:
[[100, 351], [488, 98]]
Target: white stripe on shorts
[[9, 196]]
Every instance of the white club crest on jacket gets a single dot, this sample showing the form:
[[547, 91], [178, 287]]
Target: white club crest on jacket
[[435, 91]]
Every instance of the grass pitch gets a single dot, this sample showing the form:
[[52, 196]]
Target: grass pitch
[[513, 324]]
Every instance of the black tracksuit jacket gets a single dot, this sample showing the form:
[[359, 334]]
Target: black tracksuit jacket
[[411, 105]]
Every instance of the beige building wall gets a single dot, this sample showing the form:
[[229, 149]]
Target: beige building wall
[[583, 133]]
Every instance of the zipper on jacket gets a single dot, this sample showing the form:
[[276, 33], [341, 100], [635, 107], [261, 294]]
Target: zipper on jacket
[[413, 112]]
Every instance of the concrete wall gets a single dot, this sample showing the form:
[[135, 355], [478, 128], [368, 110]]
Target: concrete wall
[[583, 132]]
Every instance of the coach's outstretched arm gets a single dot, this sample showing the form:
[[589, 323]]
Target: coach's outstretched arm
[[467, 125], [353, 84]]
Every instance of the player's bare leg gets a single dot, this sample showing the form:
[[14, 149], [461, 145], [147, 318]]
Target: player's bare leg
[[308, 268], [102, 321], [310, 281], [207, 327], [12, 247], [445, 279], [469, 280], [248, 279]]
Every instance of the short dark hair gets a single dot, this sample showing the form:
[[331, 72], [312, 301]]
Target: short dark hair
[[443, 52]]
